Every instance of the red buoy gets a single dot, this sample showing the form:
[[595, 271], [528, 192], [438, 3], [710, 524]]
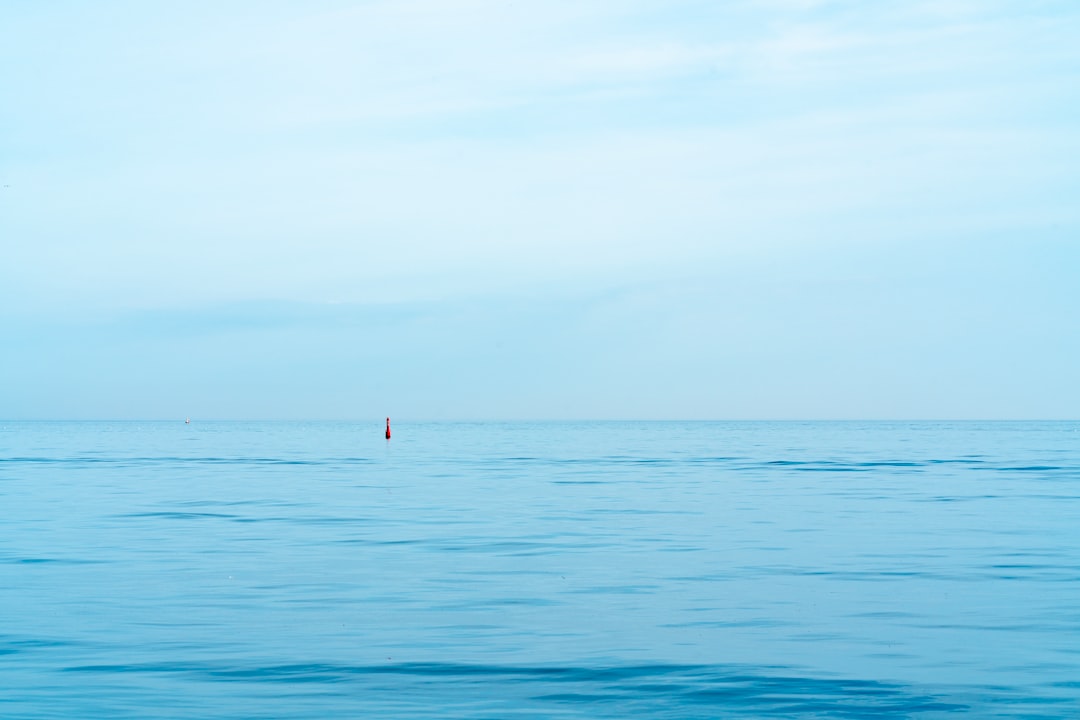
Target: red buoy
[[387, 428]]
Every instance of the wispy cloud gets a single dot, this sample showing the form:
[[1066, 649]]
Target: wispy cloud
[[444, 153]]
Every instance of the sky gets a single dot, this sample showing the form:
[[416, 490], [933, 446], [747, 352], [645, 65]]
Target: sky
[[580, 209]]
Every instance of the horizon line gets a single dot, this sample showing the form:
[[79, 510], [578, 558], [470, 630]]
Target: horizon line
[[406, 419]]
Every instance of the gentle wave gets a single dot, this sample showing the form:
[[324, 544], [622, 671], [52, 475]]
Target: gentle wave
[[178, 460], [684, 689], [611, 570], [591, 463]]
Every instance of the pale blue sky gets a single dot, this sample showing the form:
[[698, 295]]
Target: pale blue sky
[[586, 209]]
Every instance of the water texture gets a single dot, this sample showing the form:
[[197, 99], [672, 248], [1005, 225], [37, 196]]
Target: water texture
[[542, 570]]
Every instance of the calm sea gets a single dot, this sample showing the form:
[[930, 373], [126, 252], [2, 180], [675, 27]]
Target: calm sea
[[540, 570]]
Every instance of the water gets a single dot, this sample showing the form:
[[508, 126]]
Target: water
[[566, 570]]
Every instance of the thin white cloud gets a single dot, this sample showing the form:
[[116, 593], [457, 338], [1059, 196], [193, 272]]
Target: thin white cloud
[[449, 144]]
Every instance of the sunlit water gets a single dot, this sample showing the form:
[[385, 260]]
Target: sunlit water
[[573, 570]]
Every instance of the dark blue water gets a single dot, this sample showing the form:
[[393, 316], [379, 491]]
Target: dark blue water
[[582, 570]]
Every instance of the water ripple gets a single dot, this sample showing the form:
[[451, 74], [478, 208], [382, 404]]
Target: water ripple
[[655, 688]]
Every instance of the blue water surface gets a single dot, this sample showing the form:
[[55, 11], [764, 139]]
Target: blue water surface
[[541, 570]]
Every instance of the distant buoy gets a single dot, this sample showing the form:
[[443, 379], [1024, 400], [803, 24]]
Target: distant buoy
[[387, 428]]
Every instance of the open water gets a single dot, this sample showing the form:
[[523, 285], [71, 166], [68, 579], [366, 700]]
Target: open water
[[540, 570]]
